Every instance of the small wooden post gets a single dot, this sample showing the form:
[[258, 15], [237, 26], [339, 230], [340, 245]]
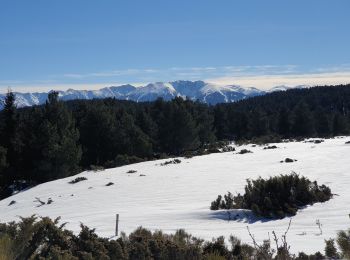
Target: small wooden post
[[116, 225]]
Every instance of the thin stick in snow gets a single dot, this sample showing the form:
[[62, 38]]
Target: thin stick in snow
[[116, 224]]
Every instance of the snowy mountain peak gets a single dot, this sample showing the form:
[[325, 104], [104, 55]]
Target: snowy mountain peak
[[194, 90]]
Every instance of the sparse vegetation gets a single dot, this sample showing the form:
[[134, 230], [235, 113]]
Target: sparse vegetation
[[78, 179], [289, 160], [41, 203], [12, 202], [270, 147], [243, 151], [275, 197], [34, 238], [175, 161], [96, 168], [343, 241]]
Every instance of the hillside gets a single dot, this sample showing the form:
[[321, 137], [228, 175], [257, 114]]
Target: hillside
[[179, 195]]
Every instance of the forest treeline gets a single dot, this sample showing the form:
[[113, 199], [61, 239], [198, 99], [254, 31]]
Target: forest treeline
[[59, 139]]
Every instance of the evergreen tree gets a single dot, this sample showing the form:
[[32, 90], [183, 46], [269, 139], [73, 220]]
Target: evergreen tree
[[184, 132], [99, 137], [259, 123], [331, 250], [322, 123], [3, 161], [3, 177], [343, 241], [9, 137], [221, 125], [340, 125], [303, 125], [283, 122], [132, 139], [205, 124], [58, 140]]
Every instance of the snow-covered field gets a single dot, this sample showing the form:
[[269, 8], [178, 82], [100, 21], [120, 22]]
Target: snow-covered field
[[179, 195]]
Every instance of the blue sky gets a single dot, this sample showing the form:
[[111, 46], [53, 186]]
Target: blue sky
[[89, 44]]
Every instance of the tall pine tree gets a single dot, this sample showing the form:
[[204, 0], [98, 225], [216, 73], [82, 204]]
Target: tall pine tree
[[58, 139], [9, 128]]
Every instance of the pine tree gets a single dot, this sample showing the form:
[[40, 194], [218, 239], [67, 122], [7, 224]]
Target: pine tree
[[283, 122], [343, 241], [331, 250], [322, 123], [340, 125], [100, 136], [133, 140], [184, 130], [259, 123], [303, 125], [205, 120], [58, 141], [9, 138], [221, 121], [3, 161]]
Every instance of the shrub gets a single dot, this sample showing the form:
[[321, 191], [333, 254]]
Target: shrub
[[12, 202], [123, 159], [243, 151], [330, 249], [216, 247], [78, 179], [175, 161], [343, 241], [289, 160], [275, 197], [34, 238], [266, 139], [96, 168], [228, 149], [270, 147], [216, 204]]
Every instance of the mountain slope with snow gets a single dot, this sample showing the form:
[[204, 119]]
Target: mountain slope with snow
[[194, 90], [178, 196]]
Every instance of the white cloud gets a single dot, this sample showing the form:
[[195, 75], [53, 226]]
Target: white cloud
[[259, 76], [268, 81], [47, 87], [113, 73]]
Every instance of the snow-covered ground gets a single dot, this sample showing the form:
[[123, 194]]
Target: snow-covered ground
[[179, 195]]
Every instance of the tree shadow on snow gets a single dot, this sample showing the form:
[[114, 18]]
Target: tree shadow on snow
[[237, 215]]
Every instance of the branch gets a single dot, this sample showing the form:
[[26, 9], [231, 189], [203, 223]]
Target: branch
[[40, 201]]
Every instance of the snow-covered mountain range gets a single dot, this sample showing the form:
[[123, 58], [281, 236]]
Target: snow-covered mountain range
[[194, 90]]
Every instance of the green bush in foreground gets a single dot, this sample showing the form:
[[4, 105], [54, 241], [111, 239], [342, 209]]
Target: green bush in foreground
[[275, 197], [34, 238]]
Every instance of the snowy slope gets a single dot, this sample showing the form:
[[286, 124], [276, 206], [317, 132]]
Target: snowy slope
[[178, 196]]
